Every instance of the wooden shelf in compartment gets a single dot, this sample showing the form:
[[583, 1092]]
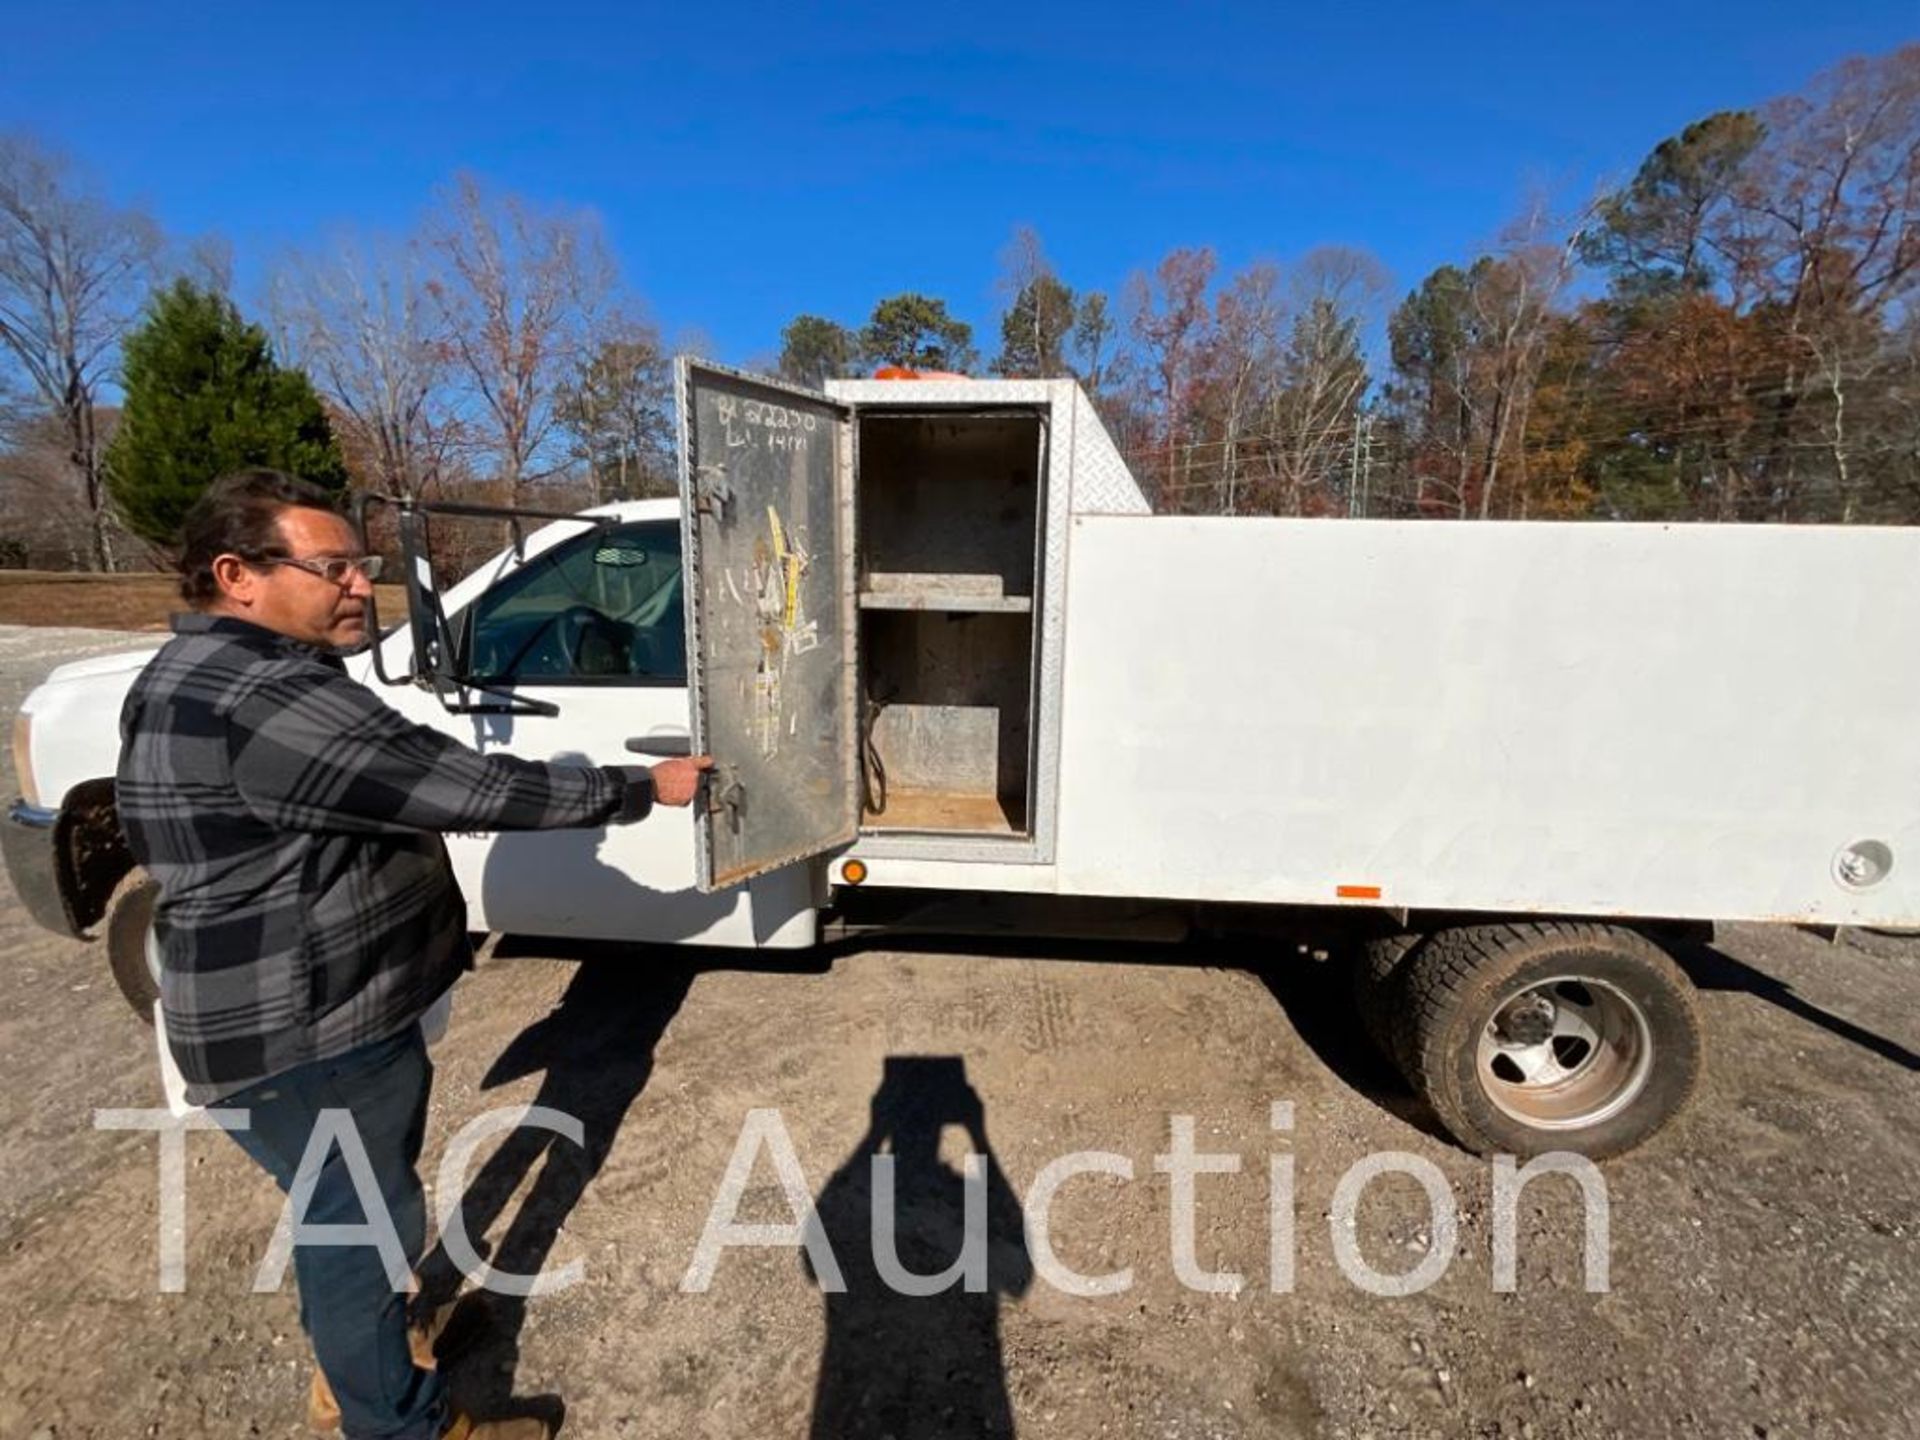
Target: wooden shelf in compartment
[[941, 810], [932, 598]]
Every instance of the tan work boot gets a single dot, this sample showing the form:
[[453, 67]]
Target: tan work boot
[[323, 1411], [465, 1427]]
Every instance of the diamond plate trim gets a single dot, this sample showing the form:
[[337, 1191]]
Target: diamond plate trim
[[1063, 460], [1102, 483], [913, 394]]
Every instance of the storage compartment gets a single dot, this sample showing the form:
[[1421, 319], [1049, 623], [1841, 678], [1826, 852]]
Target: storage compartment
[[949, 715], [949, 509], [949, 506]]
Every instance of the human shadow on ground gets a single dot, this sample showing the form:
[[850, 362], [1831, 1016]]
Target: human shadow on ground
[[594, 1052], [899, 1362], [1312, 987]]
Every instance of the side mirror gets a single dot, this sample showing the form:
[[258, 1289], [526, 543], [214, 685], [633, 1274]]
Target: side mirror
[[433, 649], [441, 651]]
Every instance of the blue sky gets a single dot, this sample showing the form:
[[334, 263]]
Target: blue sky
[[750, 162]]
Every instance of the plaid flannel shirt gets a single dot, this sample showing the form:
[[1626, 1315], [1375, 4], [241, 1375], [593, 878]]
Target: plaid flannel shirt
[[291, 820]]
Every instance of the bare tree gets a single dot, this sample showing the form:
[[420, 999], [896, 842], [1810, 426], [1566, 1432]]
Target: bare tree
[[1170, 322], [1315, 406], [1836, 184], [73, 272], [206, 261], [519, 297], [16, 408], [617, 410], [1833, 199], [1899, 417], [1092, 334], [361, 324], [1244, 359], [1038, 321], [44, 521], [1512, 302]]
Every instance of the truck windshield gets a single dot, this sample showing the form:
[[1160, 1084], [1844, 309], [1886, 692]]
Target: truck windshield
[[604, 607]]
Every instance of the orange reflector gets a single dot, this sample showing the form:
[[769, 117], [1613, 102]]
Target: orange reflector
[[1357, 892], [853, 872]]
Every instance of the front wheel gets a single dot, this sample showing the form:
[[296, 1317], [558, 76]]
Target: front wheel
[[1537, 1037], [132, 951]]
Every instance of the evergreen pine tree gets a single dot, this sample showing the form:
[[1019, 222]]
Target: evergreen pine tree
[[204, 397]]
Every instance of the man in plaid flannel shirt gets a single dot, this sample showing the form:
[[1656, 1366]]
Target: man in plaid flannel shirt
[[307, 917]]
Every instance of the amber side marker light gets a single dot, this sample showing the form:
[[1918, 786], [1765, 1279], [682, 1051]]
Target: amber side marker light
[[1357, 892], [853, 872]]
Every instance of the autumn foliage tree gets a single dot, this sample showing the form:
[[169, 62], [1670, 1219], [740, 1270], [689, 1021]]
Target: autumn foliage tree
[[1760, 265]]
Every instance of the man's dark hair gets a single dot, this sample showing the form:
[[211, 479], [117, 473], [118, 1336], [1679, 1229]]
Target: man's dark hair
[[240, 515]]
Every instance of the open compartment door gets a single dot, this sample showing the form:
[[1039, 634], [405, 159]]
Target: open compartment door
[[766, 485]]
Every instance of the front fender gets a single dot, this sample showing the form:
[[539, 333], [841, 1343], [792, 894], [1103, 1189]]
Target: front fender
[[75, 722]]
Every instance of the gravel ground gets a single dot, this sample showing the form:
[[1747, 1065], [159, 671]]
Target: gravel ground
[[1763, 1261]]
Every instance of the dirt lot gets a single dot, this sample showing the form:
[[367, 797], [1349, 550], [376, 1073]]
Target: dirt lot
[[111, 602], [1764, 1262]]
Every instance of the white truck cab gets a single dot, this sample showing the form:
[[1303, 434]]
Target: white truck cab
[[937, 642]]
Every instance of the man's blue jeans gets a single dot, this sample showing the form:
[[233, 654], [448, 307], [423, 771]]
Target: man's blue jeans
[[348, 1304]]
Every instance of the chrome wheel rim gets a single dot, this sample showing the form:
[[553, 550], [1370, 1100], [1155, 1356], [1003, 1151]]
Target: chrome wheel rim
[[1565, 1053]]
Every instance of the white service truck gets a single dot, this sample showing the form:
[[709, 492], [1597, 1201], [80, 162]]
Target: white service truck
[[941, 650]]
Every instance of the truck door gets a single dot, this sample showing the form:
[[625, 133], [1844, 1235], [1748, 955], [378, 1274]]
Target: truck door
[[766, 479], [593, 629]]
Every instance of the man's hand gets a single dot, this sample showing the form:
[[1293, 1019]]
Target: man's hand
[[677, 781]]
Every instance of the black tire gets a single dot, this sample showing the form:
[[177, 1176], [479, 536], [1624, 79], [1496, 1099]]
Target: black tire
[[128, 920], [1378, 974], [1472, 1005]]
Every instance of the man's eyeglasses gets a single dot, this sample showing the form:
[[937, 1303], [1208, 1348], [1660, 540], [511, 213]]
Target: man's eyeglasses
[[336, 569]]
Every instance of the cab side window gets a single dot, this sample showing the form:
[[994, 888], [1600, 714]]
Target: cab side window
[[601, 608]]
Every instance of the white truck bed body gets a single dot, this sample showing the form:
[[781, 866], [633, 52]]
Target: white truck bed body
[[1677, 721], [1594, 719]]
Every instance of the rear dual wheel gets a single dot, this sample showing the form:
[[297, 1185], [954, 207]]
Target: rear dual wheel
[[1535, 1037], [1377, 983]]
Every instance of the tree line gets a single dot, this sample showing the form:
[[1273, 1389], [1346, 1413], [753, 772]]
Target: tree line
[[490, 353], [1728, 335]]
